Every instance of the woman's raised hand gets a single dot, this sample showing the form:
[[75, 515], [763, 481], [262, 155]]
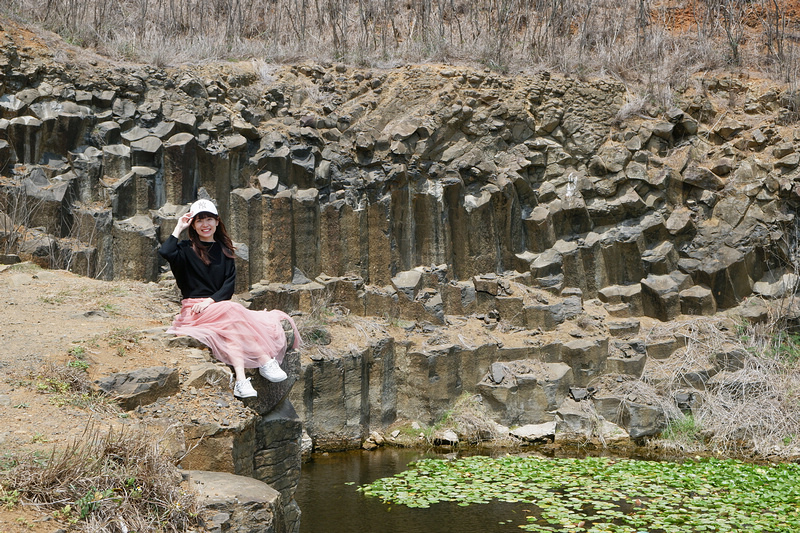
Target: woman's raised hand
[[184, 222]]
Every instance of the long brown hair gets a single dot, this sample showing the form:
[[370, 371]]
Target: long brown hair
[[220, 235]]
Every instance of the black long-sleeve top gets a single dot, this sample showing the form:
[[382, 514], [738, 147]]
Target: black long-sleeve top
[[195, 279]]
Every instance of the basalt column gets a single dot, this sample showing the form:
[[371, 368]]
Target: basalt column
[[276, 241], [246, 227], [181, 172], [305, 234], [342, 236]]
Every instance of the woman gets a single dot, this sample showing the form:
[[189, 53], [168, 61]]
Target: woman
[[205, 272]]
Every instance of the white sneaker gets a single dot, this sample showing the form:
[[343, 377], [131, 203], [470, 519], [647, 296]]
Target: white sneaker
[[272, 371], [243, 389]]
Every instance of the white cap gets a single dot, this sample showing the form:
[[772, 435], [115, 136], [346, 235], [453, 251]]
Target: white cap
[[203, 206]]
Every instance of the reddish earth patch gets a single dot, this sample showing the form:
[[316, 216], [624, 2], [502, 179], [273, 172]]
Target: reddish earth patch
[[690, 15]]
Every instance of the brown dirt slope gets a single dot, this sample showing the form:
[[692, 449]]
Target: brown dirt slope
[[49, 318]]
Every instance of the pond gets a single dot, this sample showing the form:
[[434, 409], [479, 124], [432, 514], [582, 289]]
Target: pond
[[588, 494], [330, 503]]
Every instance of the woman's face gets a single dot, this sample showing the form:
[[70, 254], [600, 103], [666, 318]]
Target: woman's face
[[205, 224]]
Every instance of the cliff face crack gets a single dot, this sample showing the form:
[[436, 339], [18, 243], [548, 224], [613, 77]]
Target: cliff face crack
[[743, 214]]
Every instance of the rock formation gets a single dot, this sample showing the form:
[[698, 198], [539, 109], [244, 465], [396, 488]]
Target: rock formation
[[418, 194], [405, 193]]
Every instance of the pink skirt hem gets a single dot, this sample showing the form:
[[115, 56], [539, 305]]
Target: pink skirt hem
[[236, 335]]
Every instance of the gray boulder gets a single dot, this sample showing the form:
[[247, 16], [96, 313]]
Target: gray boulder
[[207, 373], [575, 418], [408, 283], [628, 296], [140, 387], [578, 422], [587, 358], [725, 271], [660, 295], [680, 221], [549, 316], [661, 348], [528, 391], [626, 358], [697, 300], [277, 457], [703, 178], [536, 433], [46, 201], [116, 161], [639, 419], [623, 328], [445, 437], [777, 286], [237, 503], [134, 248]]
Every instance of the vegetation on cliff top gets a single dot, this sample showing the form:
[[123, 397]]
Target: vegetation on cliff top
[[653, 47]]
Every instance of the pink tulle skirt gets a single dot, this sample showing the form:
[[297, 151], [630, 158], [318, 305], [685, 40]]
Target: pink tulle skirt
[[236, 335]]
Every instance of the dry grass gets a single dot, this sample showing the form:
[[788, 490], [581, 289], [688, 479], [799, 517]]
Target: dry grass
[[756, 406], [470, 420], [62, 378], [655, 48], [323, 313], [69, 384], [746, 382], [113, 482]]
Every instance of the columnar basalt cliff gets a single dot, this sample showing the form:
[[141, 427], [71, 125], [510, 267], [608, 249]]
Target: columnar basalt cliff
[[418, 193], [402, 192]]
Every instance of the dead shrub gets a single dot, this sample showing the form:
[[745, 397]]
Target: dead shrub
[[470, 420], [114, 482], [323, 313], [55, 377], [69, 384], [746, 383]]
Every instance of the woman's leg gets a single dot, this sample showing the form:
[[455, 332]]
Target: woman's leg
[[234, 352], [242, 388]]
